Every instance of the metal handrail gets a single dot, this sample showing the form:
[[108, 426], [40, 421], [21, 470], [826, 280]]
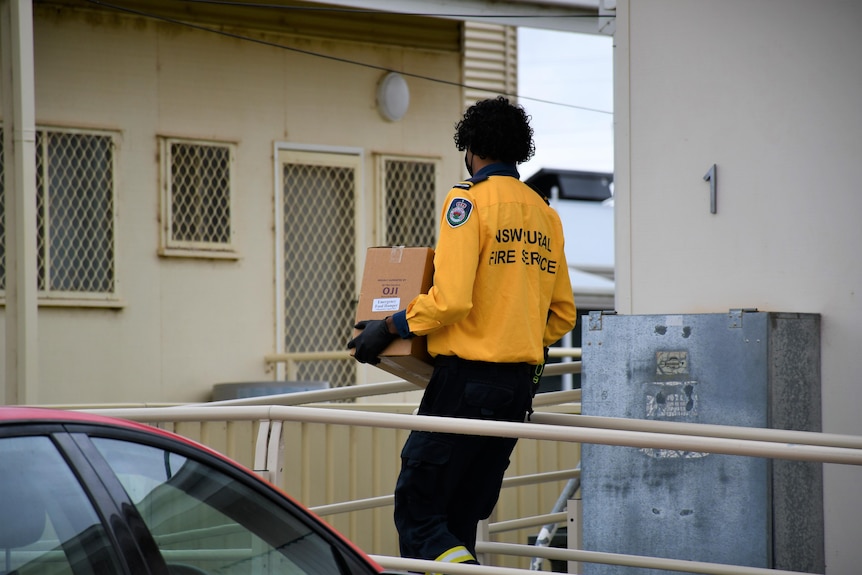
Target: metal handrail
[[318, 395], [701, 429], [534, 521], [764, 443], [385, 500], [626, 560], [569, 555], [543, 425]]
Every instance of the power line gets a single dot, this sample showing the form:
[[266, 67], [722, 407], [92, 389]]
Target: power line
[[330, 57]]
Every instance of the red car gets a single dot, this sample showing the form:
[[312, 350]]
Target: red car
[[88, 495]]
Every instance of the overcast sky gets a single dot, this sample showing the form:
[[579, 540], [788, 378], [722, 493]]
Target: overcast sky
[[573, 69]]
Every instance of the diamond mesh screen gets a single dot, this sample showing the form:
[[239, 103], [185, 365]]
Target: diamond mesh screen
[[76, 182], [200, 190], [319, 254], [74, 213], [409, 191]]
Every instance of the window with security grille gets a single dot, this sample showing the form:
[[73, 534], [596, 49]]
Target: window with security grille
[[197, 202], [75, 220], [318, 219], [409, 189]]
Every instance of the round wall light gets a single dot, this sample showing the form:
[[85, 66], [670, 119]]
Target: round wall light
[[393, 96]]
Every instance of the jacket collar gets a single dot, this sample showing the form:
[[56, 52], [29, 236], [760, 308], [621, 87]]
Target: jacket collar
[[497, 169]]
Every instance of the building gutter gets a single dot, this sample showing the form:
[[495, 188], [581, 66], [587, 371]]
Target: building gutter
[[562, 15]]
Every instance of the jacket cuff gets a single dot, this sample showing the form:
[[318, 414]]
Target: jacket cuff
[[399, 319]]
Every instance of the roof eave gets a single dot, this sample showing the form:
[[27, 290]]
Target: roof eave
[[563, 15]]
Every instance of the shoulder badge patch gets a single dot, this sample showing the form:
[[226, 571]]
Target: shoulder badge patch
[[458, 211]]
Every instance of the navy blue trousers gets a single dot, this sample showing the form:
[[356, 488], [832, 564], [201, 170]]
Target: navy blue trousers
[[449, 482]]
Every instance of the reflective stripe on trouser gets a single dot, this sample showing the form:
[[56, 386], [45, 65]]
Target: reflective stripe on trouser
[[457, 554]]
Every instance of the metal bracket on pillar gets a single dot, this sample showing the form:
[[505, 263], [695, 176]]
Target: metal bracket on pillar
[[735, 316], [607, 17], [595, 319]]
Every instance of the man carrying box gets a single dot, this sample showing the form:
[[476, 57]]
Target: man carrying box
[[500, 296]]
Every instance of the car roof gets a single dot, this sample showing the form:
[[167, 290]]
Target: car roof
[[22, 413]]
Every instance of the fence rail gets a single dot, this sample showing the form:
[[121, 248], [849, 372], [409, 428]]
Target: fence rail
[[805, 446], [272, 413], [760, 443]]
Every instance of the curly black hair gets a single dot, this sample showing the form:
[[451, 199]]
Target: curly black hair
[[496, 129]]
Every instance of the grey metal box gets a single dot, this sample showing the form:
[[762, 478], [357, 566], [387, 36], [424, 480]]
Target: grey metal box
[[742, 368]]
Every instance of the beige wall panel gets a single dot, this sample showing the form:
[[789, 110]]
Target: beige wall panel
[[326, 99], [188, 324], [316, 489], [387, 466], [777, 109], [361, 478], [99, 71], [292, 478], [241, 437], [219, 315], [107, 82], [341, 470]]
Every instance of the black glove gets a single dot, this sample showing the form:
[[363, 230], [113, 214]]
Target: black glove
[[369, 344]]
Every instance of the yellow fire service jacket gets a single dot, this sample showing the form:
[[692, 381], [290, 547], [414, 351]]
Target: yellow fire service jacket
[[501, 290]]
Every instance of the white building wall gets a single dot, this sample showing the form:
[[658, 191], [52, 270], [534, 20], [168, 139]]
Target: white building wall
[[186, 323], [769, 91]]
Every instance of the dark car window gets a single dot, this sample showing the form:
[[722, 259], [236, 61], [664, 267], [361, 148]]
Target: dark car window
[[47, 524], [207, 522]]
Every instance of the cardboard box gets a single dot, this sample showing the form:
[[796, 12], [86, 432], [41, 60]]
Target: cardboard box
[[393, 276]]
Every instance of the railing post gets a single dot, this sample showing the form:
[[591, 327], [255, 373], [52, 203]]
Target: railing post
[[269, 451], [261, 449], [483, 534], [275, 454], [292, 370], [573, 532]]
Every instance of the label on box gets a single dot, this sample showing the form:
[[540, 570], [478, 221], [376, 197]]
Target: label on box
[[386, 304]]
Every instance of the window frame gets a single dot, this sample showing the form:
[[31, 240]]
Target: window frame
[[170, 247], [63, 298], [382, 195]]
